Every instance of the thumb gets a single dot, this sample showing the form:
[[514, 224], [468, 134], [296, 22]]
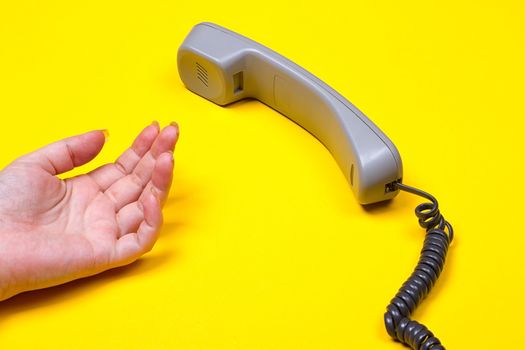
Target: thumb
[[66, 154]]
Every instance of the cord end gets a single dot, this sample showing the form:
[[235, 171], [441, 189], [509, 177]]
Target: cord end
[[392, 186]]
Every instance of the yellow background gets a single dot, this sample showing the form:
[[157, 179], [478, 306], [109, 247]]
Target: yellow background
[[264, 245]]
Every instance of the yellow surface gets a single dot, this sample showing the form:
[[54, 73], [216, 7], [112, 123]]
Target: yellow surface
[[264, 245]]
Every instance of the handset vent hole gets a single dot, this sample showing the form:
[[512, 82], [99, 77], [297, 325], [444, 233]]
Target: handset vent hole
[[202, 73]]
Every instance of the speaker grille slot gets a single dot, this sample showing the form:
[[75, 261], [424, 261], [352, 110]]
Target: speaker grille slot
[[202, 73]]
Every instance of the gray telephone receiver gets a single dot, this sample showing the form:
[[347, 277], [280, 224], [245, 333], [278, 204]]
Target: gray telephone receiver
[[224, 67]]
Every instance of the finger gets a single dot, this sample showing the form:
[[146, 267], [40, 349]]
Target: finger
[[66, 154], [162, 177], [128, 189], [142, 145], [108, 174], [165, 142], [131, 246], [132, 214], [130, 217]]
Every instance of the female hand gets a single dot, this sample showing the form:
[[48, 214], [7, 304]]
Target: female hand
[[53, 231]]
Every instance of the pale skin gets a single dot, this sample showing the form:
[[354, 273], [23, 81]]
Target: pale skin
[[53, 231]]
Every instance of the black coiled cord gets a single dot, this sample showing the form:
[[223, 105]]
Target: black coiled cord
[[438, 238]]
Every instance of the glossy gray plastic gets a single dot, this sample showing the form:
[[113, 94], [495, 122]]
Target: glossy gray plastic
[[224, 67]]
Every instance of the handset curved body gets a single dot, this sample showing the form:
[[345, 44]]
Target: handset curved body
[[223, 67]]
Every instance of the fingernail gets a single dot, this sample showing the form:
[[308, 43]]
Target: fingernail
[[106, 134], [175, 124], [156, 123]]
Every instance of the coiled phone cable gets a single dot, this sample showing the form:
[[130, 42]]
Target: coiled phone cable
[[431, 261]]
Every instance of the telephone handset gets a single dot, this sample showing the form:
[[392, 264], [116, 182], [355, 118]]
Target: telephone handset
[[223, 67]]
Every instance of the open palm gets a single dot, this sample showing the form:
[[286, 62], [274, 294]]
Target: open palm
[[53, 230]]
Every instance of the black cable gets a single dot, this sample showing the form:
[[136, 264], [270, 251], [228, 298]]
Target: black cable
[[438, 238]]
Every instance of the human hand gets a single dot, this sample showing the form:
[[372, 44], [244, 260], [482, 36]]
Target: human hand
[[53, 231]]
